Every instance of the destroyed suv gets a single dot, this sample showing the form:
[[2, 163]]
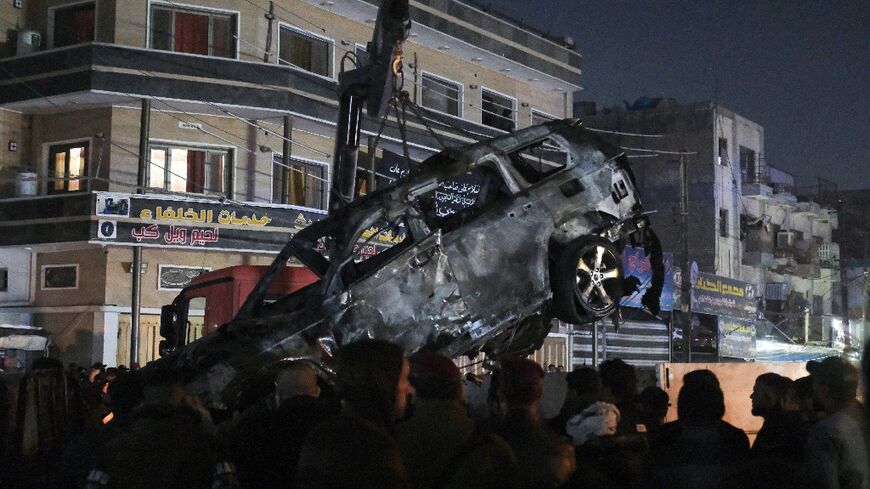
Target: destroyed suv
[[477, 249]]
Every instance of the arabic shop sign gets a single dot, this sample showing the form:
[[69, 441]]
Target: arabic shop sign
[[722, 296], [736, 337], [635, 263], [193, 223]]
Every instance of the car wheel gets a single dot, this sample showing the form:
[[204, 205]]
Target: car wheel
[[587, 280]]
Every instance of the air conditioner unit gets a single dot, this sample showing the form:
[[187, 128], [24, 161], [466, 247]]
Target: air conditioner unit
[[785, 239], [28, 42]]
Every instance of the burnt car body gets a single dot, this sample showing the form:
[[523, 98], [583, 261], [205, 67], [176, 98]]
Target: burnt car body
[[484, 246]]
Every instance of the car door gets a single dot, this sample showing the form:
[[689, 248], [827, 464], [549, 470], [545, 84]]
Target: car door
[[411, 299], [497, 249]]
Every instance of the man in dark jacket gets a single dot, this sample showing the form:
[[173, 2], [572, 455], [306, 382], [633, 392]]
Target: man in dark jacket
[[783, 435], [699, 449], [836, 453], [440, 444], [543, 459], [357, 449]]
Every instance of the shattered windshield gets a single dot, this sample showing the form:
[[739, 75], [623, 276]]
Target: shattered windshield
[[540, 160]]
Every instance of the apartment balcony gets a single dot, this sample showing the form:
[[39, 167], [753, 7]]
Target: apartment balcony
[[102, 75], [759, 259], [757, 191], [808, 270]]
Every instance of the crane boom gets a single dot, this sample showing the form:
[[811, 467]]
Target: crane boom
[[369, 85]]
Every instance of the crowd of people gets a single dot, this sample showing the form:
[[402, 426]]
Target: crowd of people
[[389, 421]]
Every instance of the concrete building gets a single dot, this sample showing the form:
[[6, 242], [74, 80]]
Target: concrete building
[[790, 254], [744, 220], [226, 81]]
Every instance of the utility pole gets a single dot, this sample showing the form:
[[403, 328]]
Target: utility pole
[[136, 271], [686, 280], [271, 18], [844, 271]]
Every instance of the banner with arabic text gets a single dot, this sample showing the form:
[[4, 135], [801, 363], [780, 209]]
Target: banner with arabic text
[[723, 296], [150, 220], [736, 337]]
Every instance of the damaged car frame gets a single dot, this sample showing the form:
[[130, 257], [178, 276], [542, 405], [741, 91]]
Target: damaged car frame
[[477, 249]]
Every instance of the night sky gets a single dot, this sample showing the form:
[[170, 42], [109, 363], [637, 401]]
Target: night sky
[[799, 68]]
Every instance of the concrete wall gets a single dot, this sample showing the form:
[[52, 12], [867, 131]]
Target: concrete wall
[[91, 278], [736, 380], [17, 263], [119, 282], [14, 128], [683, 128]]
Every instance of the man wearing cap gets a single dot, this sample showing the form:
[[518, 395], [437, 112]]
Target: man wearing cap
[[544, 460], [836, 453], [440, 444]]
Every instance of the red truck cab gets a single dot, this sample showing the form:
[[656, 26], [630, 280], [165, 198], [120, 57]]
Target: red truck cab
[[221, 293]]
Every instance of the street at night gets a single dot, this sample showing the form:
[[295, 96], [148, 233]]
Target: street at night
[[434, 244]]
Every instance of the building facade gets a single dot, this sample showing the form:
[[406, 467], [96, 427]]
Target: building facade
[[745, 222], [239, 142]]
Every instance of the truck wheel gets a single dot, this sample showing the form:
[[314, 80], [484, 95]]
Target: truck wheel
[[587, 280]]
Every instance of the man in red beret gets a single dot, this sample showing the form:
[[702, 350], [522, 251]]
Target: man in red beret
[[544, 460], [440, 444]]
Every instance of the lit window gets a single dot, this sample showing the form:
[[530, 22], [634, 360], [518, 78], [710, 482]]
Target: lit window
[[193, 31], [67, 167], [305, 51], [191, 170], [441, 95], [74, 25], [304, 184], [498, 111]]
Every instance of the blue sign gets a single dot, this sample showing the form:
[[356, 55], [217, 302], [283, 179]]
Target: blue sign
[[736, 337], [636, 264]]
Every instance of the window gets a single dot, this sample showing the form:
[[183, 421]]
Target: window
[[60, 277], [362, 54], [748, 166], [74, 24], [193, 31], [540, 117], [441, 95], [539, 160], [193, 170], [818, 305], [304, 184], [723, 151], [67, 167], [497, 111], [723, 223], [4, 279], [305, 51]]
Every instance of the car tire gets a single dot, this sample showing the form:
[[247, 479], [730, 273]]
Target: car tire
[[587, 280]]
